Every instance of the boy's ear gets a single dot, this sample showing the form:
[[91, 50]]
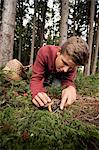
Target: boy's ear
[[58, 53], [59, 49]]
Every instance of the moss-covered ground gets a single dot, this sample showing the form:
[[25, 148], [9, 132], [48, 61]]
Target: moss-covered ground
[[25, 127]]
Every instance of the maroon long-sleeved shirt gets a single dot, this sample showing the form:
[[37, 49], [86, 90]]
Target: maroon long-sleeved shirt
[[44, 65]]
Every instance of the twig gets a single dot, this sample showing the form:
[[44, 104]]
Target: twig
[[92, 119]]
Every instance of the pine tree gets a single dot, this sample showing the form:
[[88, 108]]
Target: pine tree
[[7, 31]]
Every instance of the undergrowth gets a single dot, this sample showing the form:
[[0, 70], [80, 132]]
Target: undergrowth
[[88, 85], [23, 126]]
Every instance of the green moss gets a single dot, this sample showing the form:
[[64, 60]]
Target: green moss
[[25, 127], [88, 85]]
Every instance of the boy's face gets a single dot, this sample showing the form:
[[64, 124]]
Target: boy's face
[[63, 62]]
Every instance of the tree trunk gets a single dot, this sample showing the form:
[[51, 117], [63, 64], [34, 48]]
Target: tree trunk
[[33, 33], [74, 19], [7, 31], [43, 16], [90, 38], [86, 65], [20, 29], [20, 47], [96, 51], [1, 9], [64, 20]]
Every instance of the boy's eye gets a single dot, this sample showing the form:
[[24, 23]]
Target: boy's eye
[[64, 63]]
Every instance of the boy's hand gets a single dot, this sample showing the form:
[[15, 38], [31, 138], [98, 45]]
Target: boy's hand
[[68, 97], [41, 99]]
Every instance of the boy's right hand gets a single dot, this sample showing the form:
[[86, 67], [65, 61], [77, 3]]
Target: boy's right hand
[[41, 99]]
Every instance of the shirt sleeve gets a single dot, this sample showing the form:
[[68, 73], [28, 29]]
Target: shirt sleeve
[[68, 79], [38, 70]]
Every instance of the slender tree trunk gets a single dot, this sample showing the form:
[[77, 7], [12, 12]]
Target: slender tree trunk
[[53, 22], [33, 33], [43, 15], [90, 38], [20, 47], [64, 20], [74, 19], [96, 51], [20, 25], [1, 9], [86, 66], [7, 31]]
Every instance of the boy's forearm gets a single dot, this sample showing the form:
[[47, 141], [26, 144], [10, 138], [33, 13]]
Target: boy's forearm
[[36, 87]]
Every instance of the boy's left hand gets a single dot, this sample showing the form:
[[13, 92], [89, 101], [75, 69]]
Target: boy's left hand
[[68, 97]]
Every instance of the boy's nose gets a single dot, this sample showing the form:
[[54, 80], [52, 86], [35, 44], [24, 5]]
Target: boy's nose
[[65, 69]]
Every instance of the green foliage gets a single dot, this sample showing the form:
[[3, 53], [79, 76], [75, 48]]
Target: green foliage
[[88, 85], [54, 92]]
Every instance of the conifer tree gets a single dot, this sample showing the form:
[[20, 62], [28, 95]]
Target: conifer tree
[[7, 31]]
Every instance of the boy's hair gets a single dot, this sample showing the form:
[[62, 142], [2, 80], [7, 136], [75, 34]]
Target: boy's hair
[[77, 49]]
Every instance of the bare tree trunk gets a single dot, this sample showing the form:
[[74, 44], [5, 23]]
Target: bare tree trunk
[[20, 46], [33, 33], [90, 38], [1, 9], [53, 22], [64, 19], [96, 51], [7, 31], [20, 28], [74, 19], [86, 66], [43, 15]]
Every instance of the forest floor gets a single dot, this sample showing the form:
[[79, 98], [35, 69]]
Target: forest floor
[[23, 126], [88, 109]]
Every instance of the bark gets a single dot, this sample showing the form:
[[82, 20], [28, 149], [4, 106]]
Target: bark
[[43, 15], [21, 26], [1, 9], [20, 46], [33, 33], [96, 51], [41, 22], [64, 19], [90, 38], [7, 31], [86, 66], [74, 19]]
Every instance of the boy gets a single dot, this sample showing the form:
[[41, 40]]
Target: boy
[[61, 62]]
